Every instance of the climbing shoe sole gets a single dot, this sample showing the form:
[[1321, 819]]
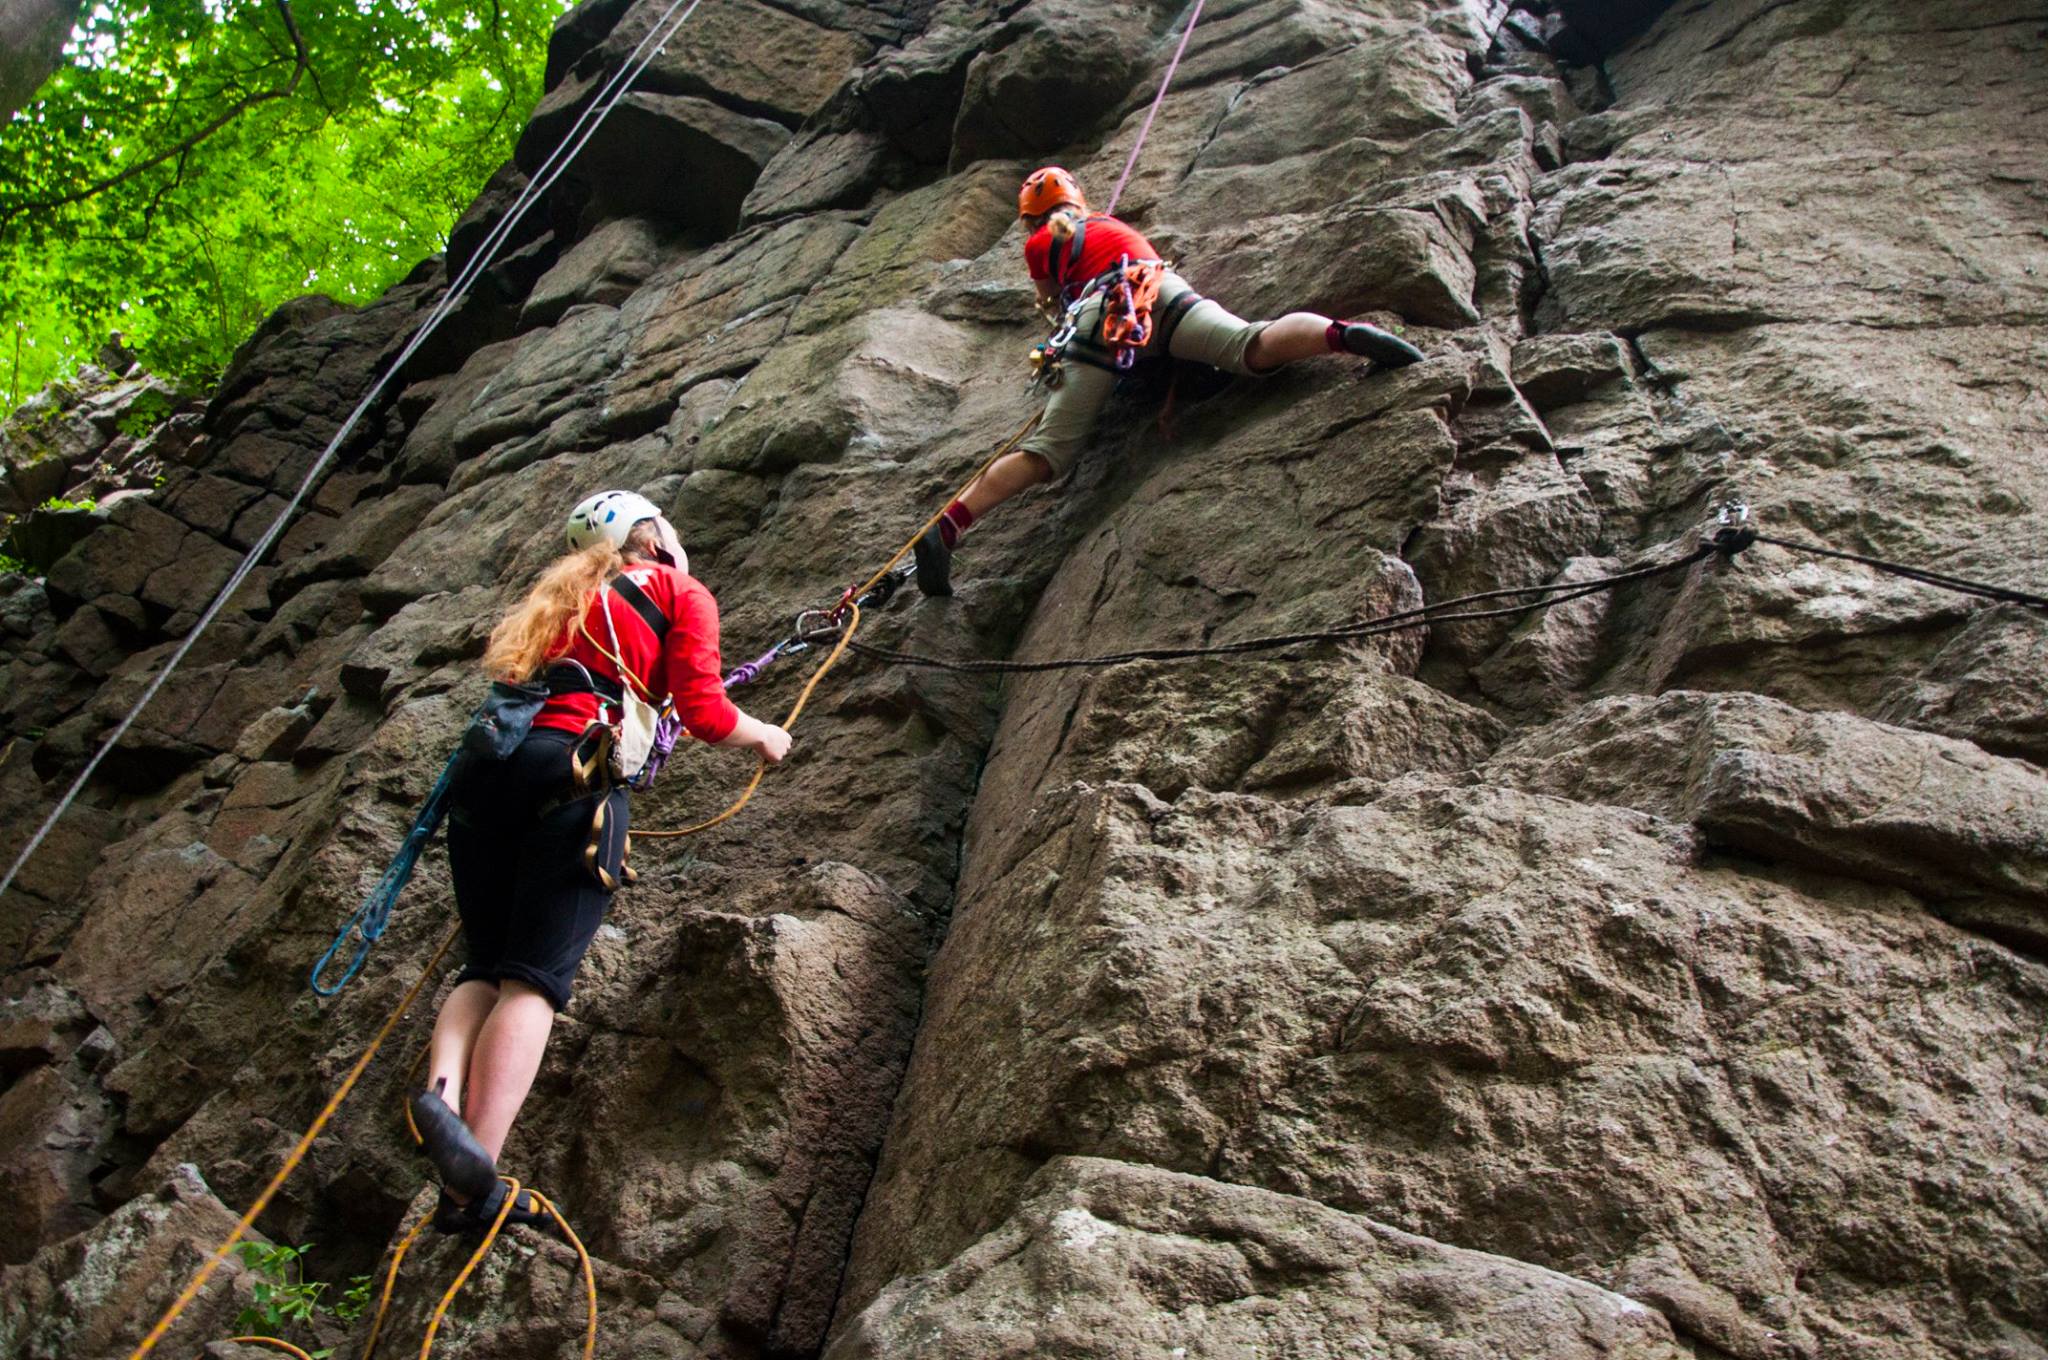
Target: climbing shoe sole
[[463, 1164], [934, 563], [1382, 347]]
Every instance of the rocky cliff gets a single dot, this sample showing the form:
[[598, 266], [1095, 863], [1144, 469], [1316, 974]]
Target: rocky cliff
[[1661, 975]]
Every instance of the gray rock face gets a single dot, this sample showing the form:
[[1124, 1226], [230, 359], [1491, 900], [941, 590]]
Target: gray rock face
[[678, 158], [1656, 975], [1108, 1259], [1967, 832], [96, 1293]]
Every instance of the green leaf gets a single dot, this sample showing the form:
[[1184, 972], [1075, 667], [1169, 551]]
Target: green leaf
[[181, 175]]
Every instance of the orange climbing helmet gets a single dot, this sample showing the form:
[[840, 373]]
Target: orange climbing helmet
[[1047, 189]]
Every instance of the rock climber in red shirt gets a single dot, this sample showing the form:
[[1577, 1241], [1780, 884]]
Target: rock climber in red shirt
[[531, 883], [1077, 257]]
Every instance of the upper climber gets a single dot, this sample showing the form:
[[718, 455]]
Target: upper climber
[[1102, 275], [536, 841]]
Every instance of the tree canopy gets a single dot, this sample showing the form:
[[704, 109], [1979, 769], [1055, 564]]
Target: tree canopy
[[193, 163]]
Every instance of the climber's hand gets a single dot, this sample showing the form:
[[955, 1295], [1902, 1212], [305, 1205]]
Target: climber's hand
[[772, 743]]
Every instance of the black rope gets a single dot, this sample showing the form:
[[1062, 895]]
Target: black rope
[[2002, 594], [1546, 597], [1727, 542]]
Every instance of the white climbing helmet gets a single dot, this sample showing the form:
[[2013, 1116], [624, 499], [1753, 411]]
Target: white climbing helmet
[[608, 515]]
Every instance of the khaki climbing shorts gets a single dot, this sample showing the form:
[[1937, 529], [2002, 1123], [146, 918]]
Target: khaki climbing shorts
[[1207, 334]]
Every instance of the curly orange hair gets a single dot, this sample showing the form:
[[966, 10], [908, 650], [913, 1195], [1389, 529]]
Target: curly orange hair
[[543, 625]]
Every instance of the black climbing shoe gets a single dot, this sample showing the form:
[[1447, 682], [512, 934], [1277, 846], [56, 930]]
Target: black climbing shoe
[[471, 1219], [463, 1164], [934, 563], [1384, 348]]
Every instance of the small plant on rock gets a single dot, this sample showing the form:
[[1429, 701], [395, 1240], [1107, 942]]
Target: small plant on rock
[[145, 413], [354, 1301], [283, 1298]]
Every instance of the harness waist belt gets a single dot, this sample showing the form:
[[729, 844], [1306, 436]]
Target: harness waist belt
[[573, 677]]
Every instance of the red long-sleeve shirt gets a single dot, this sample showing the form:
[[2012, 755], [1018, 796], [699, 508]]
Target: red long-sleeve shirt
[[1106, 241], [686, 666]]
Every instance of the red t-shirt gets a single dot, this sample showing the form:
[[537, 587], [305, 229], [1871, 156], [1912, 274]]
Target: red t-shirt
[[685, 666], [1106, 241]]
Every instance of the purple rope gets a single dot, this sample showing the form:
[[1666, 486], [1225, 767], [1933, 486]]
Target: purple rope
[[747, 674], [1153, 112]]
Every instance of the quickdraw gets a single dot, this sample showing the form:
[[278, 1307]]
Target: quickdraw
[[1127, 308], [1128, 290], [1048, 357]]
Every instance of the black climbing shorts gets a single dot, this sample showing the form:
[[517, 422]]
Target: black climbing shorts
[[530, 904]]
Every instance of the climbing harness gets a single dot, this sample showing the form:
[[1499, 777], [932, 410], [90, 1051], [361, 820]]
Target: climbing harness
[[1127, 307], [629, 739], [1128, 290]]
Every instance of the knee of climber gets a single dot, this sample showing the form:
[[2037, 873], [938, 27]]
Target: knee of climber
[[1210, 334], [1044, 461]]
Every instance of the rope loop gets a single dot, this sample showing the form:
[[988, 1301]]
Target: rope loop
[[491, 1234], [373, 917]]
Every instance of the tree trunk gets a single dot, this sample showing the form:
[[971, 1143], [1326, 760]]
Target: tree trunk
[[32, 34]]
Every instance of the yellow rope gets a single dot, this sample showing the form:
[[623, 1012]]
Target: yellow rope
[[589, 1279], [287, 1347], [852, 625], [1007, 447], [469, 1267], [391, 1282], [297, 1155], [412, 1075], [511, 1200]]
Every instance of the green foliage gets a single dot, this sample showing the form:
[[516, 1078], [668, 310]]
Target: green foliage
[[282, 1297], [59, 503], [14, 566], [355, 1300], [197, 162], [145, 413]]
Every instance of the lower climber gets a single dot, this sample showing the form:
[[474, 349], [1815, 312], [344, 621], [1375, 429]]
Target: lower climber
[[532, 876], [1083, 265]]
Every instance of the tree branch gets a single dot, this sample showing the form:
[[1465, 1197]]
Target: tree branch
[[301, 63]]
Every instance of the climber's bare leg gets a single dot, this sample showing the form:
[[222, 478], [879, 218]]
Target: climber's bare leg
[[1296, 336], [455, 1032], [502, 1066], [1008, 475]]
